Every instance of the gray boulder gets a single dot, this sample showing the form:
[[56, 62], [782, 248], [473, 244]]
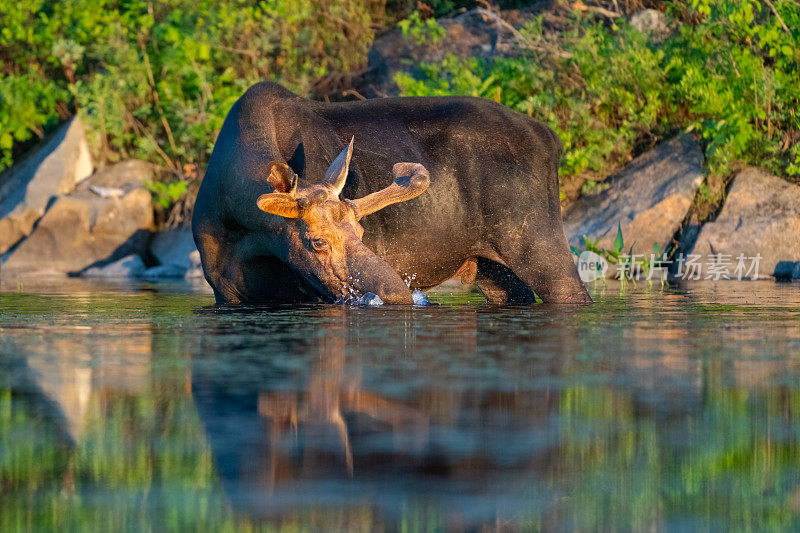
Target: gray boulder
[[177, 255], [162, 272], [476, 33], [652, 23], [86, 229], [122, 177], [787, 270], [761, 216], [128, 267], [174, 247], [28, 187], [649, 199]]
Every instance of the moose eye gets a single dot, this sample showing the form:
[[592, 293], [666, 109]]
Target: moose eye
[[320, 245]]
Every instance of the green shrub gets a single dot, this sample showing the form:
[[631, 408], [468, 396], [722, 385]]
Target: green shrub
[[596, 94], [154, 80], [421, 31], [731, 75], [737, 76], [166, 194]]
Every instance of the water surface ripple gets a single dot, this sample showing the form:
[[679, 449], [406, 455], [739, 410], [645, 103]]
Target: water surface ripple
[[135, 407]]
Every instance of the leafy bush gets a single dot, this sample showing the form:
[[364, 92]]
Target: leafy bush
[[421, 31], [166, 194], [737, 75], [730, 74], [154, 80], [595, 94]]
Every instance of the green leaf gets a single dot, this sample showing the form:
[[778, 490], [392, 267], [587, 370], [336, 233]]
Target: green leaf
[[203, 52], [618, 242]]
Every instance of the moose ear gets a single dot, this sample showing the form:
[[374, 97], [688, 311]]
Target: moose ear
[[336, 174], [282, 178], [278, 203]]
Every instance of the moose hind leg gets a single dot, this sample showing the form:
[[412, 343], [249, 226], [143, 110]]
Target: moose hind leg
[[547, 267], [500, 285]]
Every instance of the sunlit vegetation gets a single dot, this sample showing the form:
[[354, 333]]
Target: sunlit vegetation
[[727, 72], [154, 80]]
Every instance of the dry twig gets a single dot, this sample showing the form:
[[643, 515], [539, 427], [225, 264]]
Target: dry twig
[[528, 43], [778, 16], [596, 9]]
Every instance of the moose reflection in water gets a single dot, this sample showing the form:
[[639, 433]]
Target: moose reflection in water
[[643, 410], [279, 438]]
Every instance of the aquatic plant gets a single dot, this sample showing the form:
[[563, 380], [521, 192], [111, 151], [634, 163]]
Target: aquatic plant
[[630, 266]]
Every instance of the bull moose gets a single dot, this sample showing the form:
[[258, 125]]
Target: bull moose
[[288, 211]]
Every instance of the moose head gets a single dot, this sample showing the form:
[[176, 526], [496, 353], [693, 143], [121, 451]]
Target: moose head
[[321, 235]]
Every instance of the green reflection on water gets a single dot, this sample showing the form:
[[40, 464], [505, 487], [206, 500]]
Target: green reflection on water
[[725, 466], [719, 449]]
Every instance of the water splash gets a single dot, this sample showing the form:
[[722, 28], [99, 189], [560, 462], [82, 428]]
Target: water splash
[[408, 279], [421, 299], [369, 299]]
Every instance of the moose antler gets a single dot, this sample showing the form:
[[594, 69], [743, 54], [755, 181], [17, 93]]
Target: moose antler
[[410, 180], [336, 175]]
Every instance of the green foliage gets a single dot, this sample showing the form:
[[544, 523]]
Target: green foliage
[[154, 80], [166, 194], [630, 265], [593, 187], [736, 73], [613, 255], [593, 93], [421, 31], [618, 241], [731, 75], [27, 104]]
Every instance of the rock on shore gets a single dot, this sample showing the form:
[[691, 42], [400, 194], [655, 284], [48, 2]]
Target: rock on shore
[[761, 215], [108, 217], [27, 189], [58, 218], [649, 199], [177, 256]]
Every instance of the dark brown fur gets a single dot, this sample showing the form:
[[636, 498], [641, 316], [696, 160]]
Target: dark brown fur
[[493, 196]]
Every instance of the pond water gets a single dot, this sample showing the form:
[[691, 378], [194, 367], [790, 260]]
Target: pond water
[[145, 407]]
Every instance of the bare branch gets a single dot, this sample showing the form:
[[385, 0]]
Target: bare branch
[[778, 16], [580, 6], [525, 41]]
